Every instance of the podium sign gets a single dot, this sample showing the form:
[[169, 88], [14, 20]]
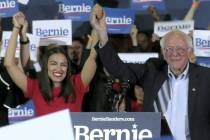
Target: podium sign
[[63, 125], [115, 125]]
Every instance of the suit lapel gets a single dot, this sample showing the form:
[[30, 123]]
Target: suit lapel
[[160, 80], [193, 88]]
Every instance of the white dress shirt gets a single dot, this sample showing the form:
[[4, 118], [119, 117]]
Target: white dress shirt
[[176, 113]]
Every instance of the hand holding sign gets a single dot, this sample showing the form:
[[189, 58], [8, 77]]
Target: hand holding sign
[[98, 11], [133, 35], [153, 12], [195, 4], [134, 31]]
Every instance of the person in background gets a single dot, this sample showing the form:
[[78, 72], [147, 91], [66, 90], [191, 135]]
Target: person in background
[[141, 42], [10, 95], [191, 12], [75, 52], [189, 16], [55, 87], [105, 90], [137, 104], [173, 86], [153, 12]]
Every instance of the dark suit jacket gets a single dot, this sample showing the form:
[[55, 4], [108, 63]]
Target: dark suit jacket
[[10, 95], [152, 75]]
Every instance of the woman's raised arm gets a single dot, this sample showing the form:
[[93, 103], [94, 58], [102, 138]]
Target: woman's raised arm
[[17, 75]]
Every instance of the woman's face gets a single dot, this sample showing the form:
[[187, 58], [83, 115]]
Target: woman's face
[[57, 68]]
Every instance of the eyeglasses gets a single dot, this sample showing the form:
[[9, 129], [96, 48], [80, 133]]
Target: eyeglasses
[[177, 49]]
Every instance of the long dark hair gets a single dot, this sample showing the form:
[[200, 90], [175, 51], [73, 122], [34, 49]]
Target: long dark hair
[[46, 84]]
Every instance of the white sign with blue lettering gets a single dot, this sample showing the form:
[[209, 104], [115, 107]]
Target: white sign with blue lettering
[[119, 21], [5, 40], [76, 10], [143, 5], [53, 31], [201, 41], [8, 8], [33, 45], [163, 27], [139, 58], [53, 126], [21, 113]]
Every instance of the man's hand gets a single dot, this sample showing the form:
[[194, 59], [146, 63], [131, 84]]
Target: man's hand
[[18, 19], [99, 24]]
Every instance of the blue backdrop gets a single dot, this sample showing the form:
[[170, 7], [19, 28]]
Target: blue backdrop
[[47, 9]]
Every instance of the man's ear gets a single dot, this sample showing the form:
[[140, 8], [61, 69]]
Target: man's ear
[[191, 55], [190, 51], [162, 52]]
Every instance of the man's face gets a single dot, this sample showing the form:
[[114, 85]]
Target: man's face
[[142, 40], [176, 52]]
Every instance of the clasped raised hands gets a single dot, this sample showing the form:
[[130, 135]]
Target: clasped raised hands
[[98, 23], [18, 20]]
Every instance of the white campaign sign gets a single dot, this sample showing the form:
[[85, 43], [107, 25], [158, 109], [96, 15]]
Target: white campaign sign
[[53, 31], [139, 58], [201, 41], [5, 40], [34, 46], [161, 28], [54, 126]]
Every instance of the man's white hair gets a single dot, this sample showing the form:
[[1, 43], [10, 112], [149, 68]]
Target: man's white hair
[[187, 38]]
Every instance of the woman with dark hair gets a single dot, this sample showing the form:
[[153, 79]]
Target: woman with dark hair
[[46, 78], [55, 87]]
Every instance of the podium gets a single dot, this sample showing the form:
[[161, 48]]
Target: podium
[[116, 125], [64, 125]]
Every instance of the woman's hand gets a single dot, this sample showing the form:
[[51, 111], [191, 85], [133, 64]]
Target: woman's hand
[[18, 20]]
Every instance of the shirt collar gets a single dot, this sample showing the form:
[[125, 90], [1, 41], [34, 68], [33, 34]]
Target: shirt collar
[[183, 75]]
